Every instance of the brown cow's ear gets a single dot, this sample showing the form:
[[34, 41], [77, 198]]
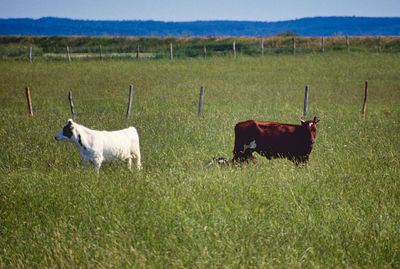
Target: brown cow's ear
[[316, 120]]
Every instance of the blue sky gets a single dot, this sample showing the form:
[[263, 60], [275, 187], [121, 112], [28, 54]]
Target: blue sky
[[187, 10]]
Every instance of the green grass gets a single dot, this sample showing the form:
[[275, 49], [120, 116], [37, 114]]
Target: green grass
[[342, 210]]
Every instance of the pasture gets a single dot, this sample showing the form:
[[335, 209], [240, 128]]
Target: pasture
[[342, 210]]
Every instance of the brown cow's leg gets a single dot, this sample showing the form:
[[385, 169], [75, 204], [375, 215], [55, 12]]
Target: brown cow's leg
[[238, 154], [235, 158], [265, 154], [299, 160], [251, 158], [246, 156], [239, 157]]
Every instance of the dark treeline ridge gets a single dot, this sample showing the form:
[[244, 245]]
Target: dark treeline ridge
[[317, 26], [19, 46]]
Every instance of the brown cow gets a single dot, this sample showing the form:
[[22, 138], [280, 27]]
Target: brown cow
[[274, 140]]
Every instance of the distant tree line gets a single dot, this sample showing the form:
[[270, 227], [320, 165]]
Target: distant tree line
[[318, 26]]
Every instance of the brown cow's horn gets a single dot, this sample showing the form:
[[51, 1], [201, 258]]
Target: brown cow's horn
[[302, 120]]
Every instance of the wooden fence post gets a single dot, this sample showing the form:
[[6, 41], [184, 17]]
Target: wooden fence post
[[379, 44], [171, 52], [137, 51], [200, 113], [71, 104], [365, 99], [205, 51], [262, 47], [347, 43], [294, 46], [322, 45], [30, 54], [68, 55], [305, 102], [101, 54], [128, 112], [29, 101], [234, 48]]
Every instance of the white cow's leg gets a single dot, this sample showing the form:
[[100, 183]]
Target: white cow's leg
[[137, 159], [97, 167], [97, 164], [138, 162], [130, 163]]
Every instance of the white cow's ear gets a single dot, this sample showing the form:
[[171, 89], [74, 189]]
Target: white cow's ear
[[71, 123]]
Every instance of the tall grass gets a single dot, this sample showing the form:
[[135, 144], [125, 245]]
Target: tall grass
[[342, 210]]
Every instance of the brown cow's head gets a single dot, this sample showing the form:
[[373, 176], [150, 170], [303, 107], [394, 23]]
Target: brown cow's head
[[310, 128]]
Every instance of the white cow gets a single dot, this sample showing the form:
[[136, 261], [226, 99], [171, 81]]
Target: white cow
[[102, 146]]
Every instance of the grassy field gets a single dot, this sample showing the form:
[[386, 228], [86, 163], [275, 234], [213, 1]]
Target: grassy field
[[342, 210]]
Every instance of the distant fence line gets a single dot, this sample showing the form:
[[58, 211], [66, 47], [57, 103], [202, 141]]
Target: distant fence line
[[200, 104], [233, 47]]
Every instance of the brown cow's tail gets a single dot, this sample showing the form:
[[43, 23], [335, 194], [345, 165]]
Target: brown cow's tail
[[236, 148], [239, 154]]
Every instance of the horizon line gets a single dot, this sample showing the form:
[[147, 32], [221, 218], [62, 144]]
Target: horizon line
[[188, 21]]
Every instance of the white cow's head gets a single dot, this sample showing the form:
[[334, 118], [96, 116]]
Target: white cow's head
[[67, 133]]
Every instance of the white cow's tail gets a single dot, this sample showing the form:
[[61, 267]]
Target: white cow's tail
[[135, 148]]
